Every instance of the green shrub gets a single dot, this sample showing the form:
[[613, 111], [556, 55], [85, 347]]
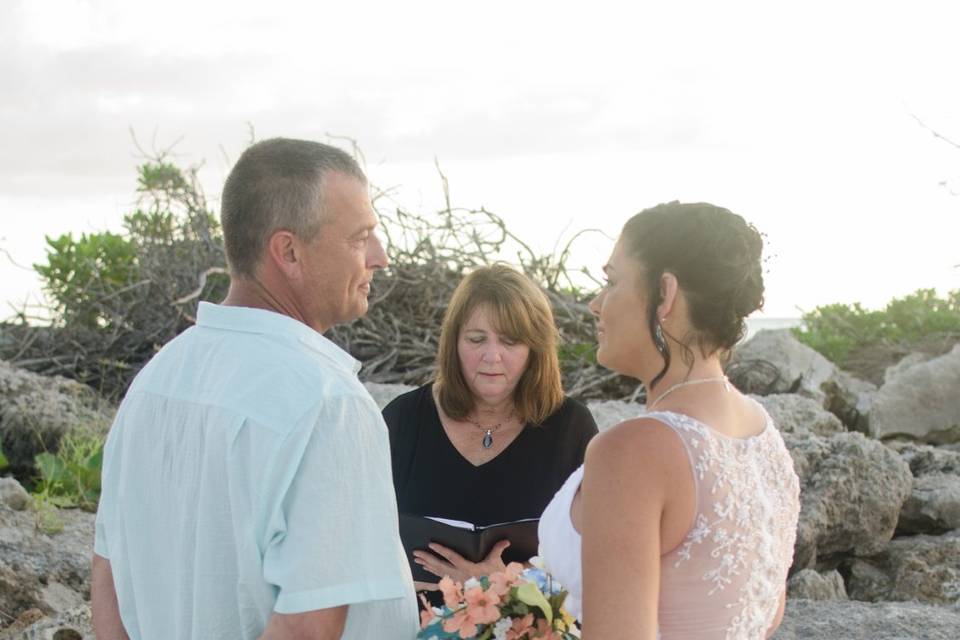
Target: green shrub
[[80, 272], [116, 298], [3, 460], [837, 330], [71, 477]]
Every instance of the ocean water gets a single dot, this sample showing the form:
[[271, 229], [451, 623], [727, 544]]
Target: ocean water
[[756, 324]]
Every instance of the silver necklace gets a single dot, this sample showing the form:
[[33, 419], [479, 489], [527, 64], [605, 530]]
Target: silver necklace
[[487, 441], [687, 383]]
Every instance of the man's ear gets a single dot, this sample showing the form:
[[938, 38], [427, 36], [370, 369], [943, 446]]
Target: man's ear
[[669, 290], [284, 253]]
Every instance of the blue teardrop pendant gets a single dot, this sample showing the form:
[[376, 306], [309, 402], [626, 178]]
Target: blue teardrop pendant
[[488, 439]]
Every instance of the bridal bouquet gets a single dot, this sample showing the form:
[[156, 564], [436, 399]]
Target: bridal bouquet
[[515, 604]]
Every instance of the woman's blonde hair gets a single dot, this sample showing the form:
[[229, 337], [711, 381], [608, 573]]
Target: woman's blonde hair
[[518, 309]]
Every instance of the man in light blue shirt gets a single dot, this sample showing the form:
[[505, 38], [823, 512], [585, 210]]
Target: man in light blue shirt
[[247, 488]]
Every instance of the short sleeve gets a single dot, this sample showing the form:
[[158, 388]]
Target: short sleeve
[[335, 539], [106, 506]]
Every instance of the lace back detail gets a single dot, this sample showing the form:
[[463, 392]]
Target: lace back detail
[[728, 574]]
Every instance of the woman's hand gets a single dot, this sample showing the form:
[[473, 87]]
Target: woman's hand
[[450, 563]]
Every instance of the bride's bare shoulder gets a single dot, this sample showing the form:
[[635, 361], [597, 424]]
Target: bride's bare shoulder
[[634, 442]]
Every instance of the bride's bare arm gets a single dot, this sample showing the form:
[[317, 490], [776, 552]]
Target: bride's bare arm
[[628, 472], [777, 619]]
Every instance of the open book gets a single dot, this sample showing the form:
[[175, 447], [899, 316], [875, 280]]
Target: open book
[[470, 541]]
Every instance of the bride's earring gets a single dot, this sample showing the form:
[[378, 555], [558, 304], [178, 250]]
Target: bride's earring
[[658, 339]]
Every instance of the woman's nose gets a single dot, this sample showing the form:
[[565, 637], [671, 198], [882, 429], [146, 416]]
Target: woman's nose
[[491, 353]]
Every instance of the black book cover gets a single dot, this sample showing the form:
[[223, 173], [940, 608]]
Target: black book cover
[[416, 532]]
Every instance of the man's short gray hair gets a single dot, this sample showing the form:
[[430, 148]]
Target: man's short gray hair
[[277, 184]]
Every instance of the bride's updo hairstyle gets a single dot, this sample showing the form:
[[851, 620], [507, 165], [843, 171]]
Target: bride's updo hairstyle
[[715, 256]]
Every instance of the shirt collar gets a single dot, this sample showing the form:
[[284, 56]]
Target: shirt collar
[[262, 321]]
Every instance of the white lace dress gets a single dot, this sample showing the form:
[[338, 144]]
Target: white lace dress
[[726, 578]]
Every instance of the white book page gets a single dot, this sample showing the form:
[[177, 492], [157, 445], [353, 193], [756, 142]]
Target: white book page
[[460, 524]]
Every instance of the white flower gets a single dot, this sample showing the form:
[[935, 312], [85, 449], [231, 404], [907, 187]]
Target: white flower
[[500, 628], [537, 561], [471, 583]]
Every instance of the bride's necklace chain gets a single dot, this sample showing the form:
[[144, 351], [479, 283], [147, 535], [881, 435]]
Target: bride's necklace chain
[[687, 383], [488, 430]]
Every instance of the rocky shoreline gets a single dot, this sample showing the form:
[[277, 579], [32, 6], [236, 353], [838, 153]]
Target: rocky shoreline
[[878, 544]]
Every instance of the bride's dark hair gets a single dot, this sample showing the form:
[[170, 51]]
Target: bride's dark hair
[[716, 257]]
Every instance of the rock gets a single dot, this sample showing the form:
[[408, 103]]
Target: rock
[[925, 459], [49, 573], [13, 494], [851, 492], [796, 414], [922, 568], [810, 585], [35, 412], [791, 366], [851, 620], [850, 399], [60, 597], [922, 403], [905, 363], [384, 393], [76, 624], [933, 505], [610, 412], [22, 621], [774, 361]]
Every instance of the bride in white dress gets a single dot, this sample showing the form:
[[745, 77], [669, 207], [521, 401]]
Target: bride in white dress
[[683, 520]]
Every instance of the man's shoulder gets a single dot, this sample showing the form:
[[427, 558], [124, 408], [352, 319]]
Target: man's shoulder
[[270, 381]]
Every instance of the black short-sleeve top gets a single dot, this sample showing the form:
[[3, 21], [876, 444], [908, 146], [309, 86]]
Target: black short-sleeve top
[[431, 478]]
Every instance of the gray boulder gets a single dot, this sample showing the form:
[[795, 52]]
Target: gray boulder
[[905, 363], [934, 502], [50, 573], [774, 361], [810, 585], [75, 624], [851, 620], [922, 402], [933, 505], [925, 459], [36, 411], [851, 492], [13, 494], [783, 364], [796, 414], [922, 568]]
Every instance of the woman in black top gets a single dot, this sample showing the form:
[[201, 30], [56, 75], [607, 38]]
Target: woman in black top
[[494, 437]]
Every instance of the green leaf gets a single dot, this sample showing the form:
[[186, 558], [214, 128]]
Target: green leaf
[[52, 469], [3, 460]]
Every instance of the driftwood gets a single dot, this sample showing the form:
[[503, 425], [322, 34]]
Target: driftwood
[[396, 341]]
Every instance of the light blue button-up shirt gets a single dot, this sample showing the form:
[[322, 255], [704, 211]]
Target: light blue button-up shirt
[[248, 471]]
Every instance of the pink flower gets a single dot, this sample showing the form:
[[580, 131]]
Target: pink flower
[[482, 605], [461, 623], [452, 592], [501, 581], [545, 631], [521, 628]]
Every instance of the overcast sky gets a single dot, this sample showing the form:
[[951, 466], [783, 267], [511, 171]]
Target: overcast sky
[[799, 116]]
